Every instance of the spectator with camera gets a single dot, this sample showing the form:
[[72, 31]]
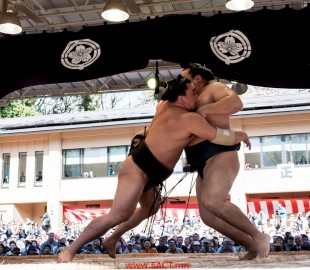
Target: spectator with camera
[[281, 212]]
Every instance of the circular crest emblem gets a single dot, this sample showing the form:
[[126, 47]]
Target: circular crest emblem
[[231, 47], [79, 54]]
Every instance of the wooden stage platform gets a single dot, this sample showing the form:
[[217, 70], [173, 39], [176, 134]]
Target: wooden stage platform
[[278, 260]]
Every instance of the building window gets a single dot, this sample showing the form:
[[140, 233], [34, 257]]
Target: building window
[[94, 162], [38, 167], [85, 163], [299, 149], [117, 155], [269, 151], [272, 151], [72, 163], [22, 169], [253, 157], [6, 170]]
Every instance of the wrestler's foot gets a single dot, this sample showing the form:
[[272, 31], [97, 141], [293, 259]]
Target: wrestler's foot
[[65, 256], [263, 245], [248, 256], [110, 247]]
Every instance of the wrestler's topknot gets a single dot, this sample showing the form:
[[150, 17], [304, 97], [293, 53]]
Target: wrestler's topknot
[[198, 69], [176, 87]]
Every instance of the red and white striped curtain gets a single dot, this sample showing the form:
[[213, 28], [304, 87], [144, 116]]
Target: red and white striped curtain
[[178, 211], [270, 205], [75, 214]]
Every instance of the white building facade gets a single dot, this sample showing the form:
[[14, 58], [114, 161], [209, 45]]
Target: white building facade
[[65, 149]]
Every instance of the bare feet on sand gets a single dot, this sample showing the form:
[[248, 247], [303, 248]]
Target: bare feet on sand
[[110, 247], [248, 255], [263, 245], [65, 256]]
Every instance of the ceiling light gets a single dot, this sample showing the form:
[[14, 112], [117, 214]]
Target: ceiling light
[[239, 5], [10, 24], [115, 11], [151, 83]]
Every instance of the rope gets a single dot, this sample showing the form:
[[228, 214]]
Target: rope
[[162, 201]]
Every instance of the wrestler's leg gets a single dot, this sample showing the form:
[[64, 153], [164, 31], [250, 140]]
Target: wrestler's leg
[[149, 206], [131, 181], [225, 228], [219, 174]]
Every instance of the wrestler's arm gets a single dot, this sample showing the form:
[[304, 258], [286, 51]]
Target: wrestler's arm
[[223, 100], [199, 126]]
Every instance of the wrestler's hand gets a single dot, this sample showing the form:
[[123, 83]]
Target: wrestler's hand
[[202, 110], [247, 141], [241, 136]]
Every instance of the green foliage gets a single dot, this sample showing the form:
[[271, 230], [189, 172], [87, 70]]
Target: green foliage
[[81, 103], [18, 108], [65, 104]]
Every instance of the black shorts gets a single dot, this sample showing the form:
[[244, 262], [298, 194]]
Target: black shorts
[[143, 157], [198, 154]]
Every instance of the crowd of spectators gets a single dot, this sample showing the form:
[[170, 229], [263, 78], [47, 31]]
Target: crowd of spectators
[[170, 236]]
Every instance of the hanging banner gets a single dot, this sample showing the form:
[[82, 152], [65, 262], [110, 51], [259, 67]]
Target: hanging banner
[[75, 214], [263, 48], [168, 211], [292, 206]]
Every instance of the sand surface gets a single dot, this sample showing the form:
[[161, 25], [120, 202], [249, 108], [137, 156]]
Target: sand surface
[[279, 260]]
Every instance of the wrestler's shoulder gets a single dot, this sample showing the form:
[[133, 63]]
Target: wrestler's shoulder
[[189, 117], [216, 86]]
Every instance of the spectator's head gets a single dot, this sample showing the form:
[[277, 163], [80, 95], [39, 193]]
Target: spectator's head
[[147, 244], [305, 239], [47, 249], [133, 239], [96, 243], [196, 245], [130, 246], [142, 239], [51, 237], [60, 249], [290, 240], [70, 241], [118, 244], [16, 251], [180, 240], [162, 241], [298, 240], [32, 250], [61, 244], [186, 241], [34, 243], [196, 237], [279, 243], [206, 242], [2, 248], [89, 247], [137, 238], [172, 244], [12, 244]]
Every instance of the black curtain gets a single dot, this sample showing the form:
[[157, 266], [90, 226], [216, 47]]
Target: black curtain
[[265, 48]]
